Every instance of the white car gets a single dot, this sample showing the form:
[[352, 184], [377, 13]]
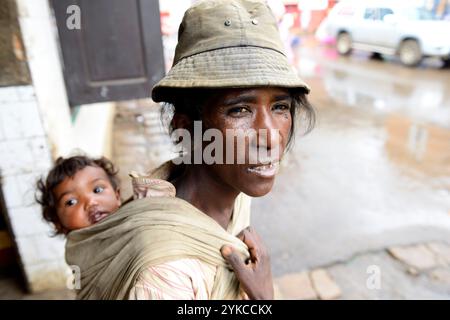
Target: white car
[[392, 27]]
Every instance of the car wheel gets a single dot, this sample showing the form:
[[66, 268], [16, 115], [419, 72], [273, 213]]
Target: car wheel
[[445, 63], [410, 53], [376, 56], [344, 43]]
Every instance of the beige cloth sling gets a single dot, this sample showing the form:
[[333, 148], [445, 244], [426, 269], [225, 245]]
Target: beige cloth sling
[[150, 231]]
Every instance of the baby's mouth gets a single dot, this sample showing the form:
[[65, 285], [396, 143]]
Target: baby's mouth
[[96, 216]]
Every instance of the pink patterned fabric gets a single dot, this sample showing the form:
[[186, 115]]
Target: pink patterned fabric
[[183, 279]]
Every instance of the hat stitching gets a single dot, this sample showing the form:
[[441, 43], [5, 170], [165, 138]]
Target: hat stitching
[[240, 46], [244, 62], [241, 26]]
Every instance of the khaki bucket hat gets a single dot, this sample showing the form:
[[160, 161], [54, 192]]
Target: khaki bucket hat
[[228, 44]]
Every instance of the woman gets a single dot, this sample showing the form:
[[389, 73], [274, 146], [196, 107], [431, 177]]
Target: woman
[[231, 74]]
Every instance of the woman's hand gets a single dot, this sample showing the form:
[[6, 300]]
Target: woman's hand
[[255, 275]]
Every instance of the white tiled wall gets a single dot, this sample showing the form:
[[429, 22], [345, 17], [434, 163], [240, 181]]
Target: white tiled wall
[[40, 41], [24, 157], [36, 126]]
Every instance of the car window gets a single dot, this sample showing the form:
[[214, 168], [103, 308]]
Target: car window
[[385, 11], [370, 14], [346, 11], [419, 14]]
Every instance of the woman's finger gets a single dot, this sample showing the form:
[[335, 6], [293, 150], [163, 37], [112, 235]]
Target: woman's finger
[[252, 244], [240, 235], [231, 256]]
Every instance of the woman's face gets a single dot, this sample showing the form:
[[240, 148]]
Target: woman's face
[[264, 111]]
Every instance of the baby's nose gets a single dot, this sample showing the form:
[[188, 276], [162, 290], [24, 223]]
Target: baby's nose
[[91, 204]]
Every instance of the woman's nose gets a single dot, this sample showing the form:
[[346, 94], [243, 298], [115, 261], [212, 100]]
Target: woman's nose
[[267, 133]]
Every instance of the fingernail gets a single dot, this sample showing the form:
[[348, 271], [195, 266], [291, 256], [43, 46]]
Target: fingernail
[[226, 250]]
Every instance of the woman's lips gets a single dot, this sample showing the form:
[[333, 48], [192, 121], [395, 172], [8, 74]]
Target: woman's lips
[[266, 170]]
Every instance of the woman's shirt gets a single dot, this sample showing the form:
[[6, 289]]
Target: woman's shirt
[[182, 279]]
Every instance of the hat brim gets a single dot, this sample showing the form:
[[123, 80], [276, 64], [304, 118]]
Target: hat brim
[[233, 67]]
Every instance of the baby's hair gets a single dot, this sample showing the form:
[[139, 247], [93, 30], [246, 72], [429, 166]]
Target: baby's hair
[[67, 168]]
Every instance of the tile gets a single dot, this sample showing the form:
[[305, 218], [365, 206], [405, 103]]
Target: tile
[[325, 286], [296, 286]]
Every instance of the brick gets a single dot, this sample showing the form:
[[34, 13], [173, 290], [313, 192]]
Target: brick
[[442, 251], [277, 295], [38, 249], [31, 120], [41, 154], [21, 120], [415, 256], [27, 187], [325, 286], [20, 190], [296, 286], [11, 192], [2, 133], [27, 221], [413, 271], [24, 156], [26, 93], [15, 157], [8, 94], [441, 275]]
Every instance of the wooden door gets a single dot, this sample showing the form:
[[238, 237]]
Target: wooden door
[[115, 54]]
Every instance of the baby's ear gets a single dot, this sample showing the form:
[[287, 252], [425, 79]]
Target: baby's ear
[[118, 196], [59, 228]]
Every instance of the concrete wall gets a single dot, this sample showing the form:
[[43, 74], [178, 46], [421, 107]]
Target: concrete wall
[[25, 156], [36, 126], [40, 40]]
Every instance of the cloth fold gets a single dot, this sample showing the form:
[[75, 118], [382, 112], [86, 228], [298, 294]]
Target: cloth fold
[[146, 232]]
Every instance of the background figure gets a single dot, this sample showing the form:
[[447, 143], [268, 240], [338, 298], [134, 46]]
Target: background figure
[[285, 22]]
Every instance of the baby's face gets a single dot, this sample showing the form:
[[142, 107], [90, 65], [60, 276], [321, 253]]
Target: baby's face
[[85, 199]]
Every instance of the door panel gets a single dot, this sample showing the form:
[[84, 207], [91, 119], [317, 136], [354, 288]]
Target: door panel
[[117, 54]]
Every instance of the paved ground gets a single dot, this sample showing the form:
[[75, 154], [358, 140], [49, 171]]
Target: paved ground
[[373, 175], [12, 288], [406, 272], [361, 208]]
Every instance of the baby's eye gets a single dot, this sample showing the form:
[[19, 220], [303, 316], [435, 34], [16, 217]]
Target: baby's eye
[[98, 189], [71, 202]]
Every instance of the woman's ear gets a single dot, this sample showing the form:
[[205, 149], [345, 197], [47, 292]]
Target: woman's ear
[[181, 121]]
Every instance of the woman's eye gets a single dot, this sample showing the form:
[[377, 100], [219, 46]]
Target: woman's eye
[[71, 202], [281, 107], [98, 189], [238, 111]]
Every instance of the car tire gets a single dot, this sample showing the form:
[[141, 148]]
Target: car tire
[[445, 63], [344, 44], [410, 53], [376, 56]]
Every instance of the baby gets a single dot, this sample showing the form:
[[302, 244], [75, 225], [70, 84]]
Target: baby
[[80, 191]]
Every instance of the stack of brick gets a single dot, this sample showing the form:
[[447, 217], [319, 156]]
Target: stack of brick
[[24, 157]]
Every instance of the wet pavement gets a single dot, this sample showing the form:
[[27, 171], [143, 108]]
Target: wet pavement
[[375, 171], [373, 174]]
